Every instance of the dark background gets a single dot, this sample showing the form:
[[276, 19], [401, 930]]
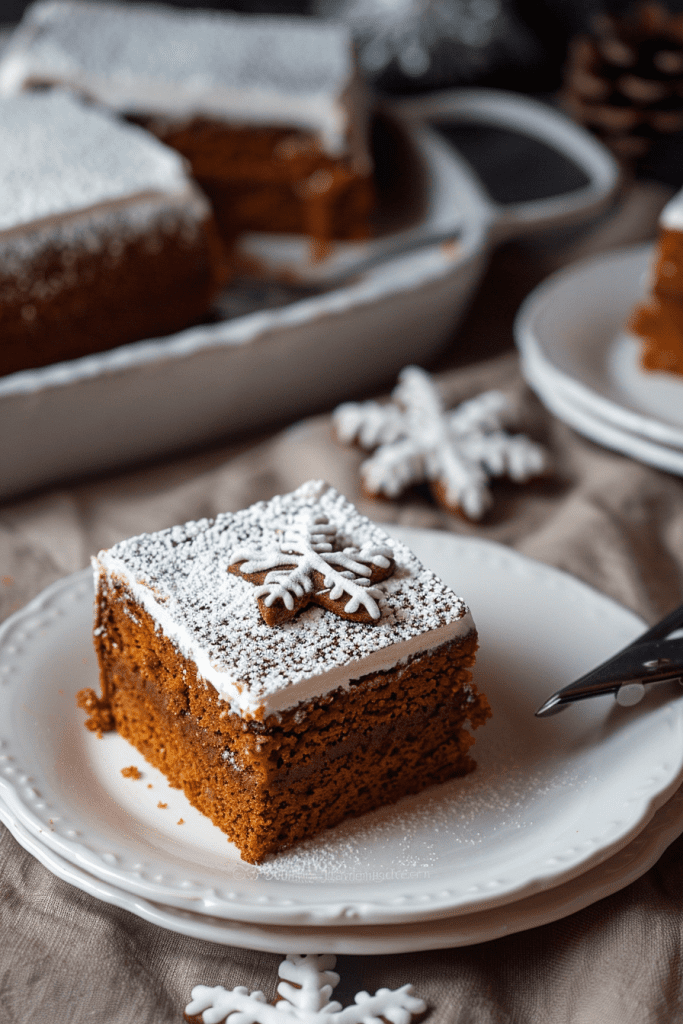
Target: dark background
[[549, 24], [542, 27]]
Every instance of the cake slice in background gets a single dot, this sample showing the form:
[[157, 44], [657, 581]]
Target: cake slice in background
[[104, 239], [270, 111], [359, 693], [658, 320]]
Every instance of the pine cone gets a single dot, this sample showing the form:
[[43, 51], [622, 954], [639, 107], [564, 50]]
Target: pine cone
[[625, 80]]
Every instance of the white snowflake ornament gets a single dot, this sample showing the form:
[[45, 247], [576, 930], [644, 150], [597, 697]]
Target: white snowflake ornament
[[456, 452], [312, 565], [306, 986]]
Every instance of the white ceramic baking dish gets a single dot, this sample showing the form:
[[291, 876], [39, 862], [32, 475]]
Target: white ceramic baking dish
[[155, 397]]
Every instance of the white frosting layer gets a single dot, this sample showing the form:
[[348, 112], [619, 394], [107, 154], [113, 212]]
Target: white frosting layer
[[101, 229], [61, 157], [152, 60], [75, 178], [180, 577], [672, 214]]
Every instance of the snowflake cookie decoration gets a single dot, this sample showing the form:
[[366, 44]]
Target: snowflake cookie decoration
[[457, 452], [313, 566], [306, 987]]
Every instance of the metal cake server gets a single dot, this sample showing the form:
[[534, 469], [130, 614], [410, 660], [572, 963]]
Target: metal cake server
[[654, 657]]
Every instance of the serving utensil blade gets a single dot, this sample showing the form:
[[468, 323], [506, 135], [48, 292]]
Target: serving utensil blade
[[654, 657]]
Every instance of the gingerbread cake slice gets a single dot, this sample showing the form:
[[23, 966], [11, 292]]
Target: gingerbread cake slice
[[269, 111], [288, 666], [104, 239], [658, 320]]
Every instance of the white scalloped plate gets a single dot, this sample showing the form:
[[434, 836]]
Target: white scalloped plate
[[463, 930], [550, 799], [558, 400], [585, 367]]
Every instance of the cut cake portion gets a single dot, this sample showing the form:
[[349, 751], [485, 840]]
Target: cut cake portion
[[658, 321], [270, 111], [103, 237], [279, 731]]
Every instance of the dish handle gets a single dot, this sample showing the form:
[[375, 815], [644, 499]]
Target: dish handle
[[541, 122]]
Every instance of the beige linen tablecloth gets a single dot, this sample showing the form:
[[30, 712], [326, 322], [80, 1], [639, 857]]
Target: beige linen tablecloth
[[618, 525]]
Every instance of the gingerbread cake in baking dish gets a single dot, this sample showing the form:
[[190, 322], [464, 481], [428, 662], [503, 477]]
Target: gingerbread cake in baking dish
[[104, 239], [287, 666], [658, 320], [269, 111]]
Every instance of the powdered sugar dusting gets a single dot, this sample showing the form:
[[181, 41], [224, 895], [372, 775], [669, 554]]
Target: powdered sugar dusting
[[156, 60], [60, 157], [408, 838], [181, 578]]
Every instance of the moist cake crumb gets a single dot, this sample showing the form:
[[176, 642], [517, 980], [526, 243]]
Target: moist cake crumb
[[99, 718]]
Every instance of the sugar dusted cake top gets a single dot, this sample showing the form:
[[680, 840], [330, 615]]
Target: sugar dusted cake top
[[180, 576], [150, 59], [60, 157]]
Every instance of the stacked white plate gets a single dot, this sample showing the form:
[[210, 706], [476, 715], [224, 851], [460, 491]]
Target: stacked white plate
[[585, 367], [559, 813]]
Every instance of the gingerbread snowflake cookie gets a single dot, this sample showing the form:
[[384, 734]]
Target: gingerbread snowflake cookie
[[305, 990], [457, 452], [313, 565]]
